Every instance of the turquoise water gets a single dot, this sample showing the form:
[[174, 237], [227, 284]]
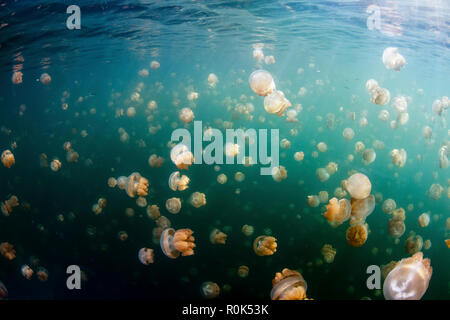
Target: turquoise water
[[325, 47]]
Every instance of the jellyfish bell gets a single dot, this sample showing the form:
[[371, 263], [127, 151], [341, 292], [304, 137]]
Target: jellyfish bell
[[409, 279], [384, 115], [358, 186], [380, 96], [338, 211], [413, 244], [210, 290], [392, 59], [357, 234], [400, 104], [279, 173], [136, 185], [443, 153], [146, 256], [371, 85], [265, 245], [276, 103], [181, 156], [362, 208], [369, 156], [348, 134], [261, 82], [396, 228], [197, 199], [398, 157], [175, 242], [424, 220], [212, 80], [178, 182], [388, 206], [186, 115], [173, 205], [45, 78], [288, 285], [217, 237], [328, 253]]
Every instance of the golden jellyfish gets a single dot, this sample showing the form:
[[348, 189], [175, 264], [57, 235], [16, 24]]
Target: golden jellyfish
[[331, 167], [122, 235], [173, 205], [299, 156], [398, 157], [380, 96], [291, 115], [96, 209], [42, 274], [141, 202], [7, 250], [322, 147], [338, 211], [153, 212], [427, 132], [112, 182], [146, 256], [143, 73], [136, 185], [178, 182], [26, 271], [122, 182], [400, 104], [197, 199], [285, 143], [192, 96], [386, 268], [357, 234], [288, 285], [181, 156], [131, 112], [362, 208], [348, 134], [424, 220], [8, 159], [17, 77], [409, 279], [265, 245], [392, 59], [261, 82], [358, 186], [413, 244], [435, 191], [222, 178], [243, 271], [279, 173], [369, 156], [55, 165], [212, 80], [155, 65], [447, 243], [340, 193], [328, 253], [45, 78], [210, 290], [239, 176], [322, 174], [175, 242], [217, 237], [388, 206], [186, 115], [8, 205], [371, 85], [313, 201], [231, 149], [427, 244], [276, 103], [247, 230], [155, 161]]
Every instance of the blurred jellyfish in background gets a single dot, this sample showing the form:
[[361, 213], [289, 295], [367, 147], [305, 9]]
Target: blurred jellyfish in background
[[409, 279], [8, 159], [328, 253], [276, 103], [222, 178], [358, 186], [362, 208], [42, 274], [338, 211], [261, 82], [3, 291], [299, 156], [197, 199], [175, 242], [155, 161], [357, 234], [384, 115], [288, 285], [181, 156], [186, 115], [313, 201], [45, 78], [146, 256], [154, 65], [265, 245], [413, 244], [398, 157], [322, 174], [243, 271], [348, 134], [247, 230], [212, 80], [8, 205], [435, 191], [424, 220], [7, 250], [392, 59], [210, 290], [388, 206], [217, 237], [427, 132], [153, 212], [369, 156], [396, 227], [443, 156], [55, 165], [26, 271], [279, 173], [178, 182], [258, 53]]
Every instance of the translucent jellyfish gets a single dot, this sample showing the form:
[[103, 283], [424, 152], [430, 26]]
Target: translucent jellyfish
[[143, 73], [369, 156], [427, 132], [173, 205], [288, 285], [427, 244], [153, 212], [380, 96], [178, 182], [217, 237], [265, 245], [175, 242], [413, 244], [388, 206], [8, 205], [155, 161], [155, 65], [136, 185], [384, 115], [243, 271], [122, 182], [400, 104], [332, 167], [443, 156], [231, 149], [279, 173], [222, 178], [291, 115], [398, 157], [322, 174], [55, 165], [339, 193], [323, 196], [186, 115], [392, 59], [247, 230], [276, 103], [141, 202], [261, 82], [7, 250], [45, 78], [42, 274], [371, 85], [313, 201], [338, 211], [358, 186], [3, 291], [386, 268], [362, 208], [146, 256], [348, 134], [26, 271], [299, 156], [131, 112], [17, 77], [424, 220], [181, 156], [96, 209], [285, 143], [402, 118], [409, 279], [269, 60], [197, 199], [396, 227], [328, 253], [359, 147], [322, 146], [239, 176], [435, 191], [210, 290], [212, 80], [357, 234]]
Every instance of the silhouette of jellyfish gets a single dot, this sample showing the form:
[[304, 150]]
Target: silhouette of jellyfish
[[9, 204], [338, 211], [357, 234], [358, 186], [276, 103], [328, 253], [413, 244], [26, 271], [136, 185], [7, 250], [177, 182], [361, 209], [146, 256], [3, 291], [175, 242], [197, 199], [153, 212], [392, 59], [261, 82], [181, 156], [265, 245], [8, 159], [243, 271], [288, 285], [210, 290], [409, 279], [217, 237], [398, 157]]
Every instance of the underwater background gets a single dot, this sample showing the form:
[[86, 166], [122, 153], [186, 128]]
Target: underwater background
[[324, 47]]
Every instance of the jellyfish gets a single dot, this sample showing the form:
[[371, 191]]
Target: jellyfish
[[313, 201], [443, 156], [197, 199], [338, 211], [154, 65], [427, 244], [386, 268], [146, 256], [409, 279], [26, 271], [359, 147], [96, 209], [258, 54], [322, 174], [357, 234], [276, 103], [186, 115], [136, 185], [8, 205], [427, 132], [131, 112], [45, 78], [181, 156], [348, 133], [328, 253], [42, 274], [177, 182], [155, 161], [265, 245], [153, 212], [388, 206], [222, 178], [239, 176], [323, 196], [143, 73], [299, 156], [243, 271], [413, 244], [435, 191], [3, 291], [279, 173], [210, 290], [398, 157], [380, 96], [212, 80], [424, 220], [339, 193], [369, 156], [291, 115], [217, 237], [392, 59], [55, 165], [400, 104], [358, 186], [371, 85], [175, 242], [17, 77], [269, 60], [331, 167], [122, 235], [173, 205], [288, 285], [7, 250], [247, 230], [261, 82], [8, 159], [384, 115], [285, 143], [396, 227], [362, 208], [447, 243]]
